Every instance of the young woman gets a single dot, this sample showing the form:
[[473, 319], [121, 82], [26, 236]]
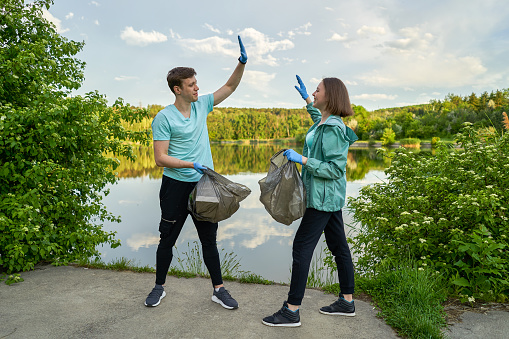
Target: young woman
[[323, 173]]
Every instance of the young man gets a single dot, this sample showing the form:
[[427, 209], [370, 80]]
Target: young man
[[181, 146]]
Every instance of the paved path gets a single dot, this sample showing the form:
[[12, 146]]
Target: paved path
[[74, 302]]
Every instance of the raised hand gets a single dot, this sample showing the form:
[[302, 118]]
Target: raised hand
[[243, 54], [302, 89]]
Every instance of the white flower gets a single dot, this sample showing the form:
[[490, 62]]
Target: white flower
[[405, 213], [471, 299], [422, 240], [423, 257], [421, 269]]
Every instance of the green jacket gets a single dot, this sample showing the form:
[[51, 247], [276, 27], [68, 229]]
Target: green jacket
[[324, 174]]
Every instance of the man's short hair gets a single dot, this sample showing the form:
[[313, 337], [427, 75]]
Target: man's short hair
[[177, 74]]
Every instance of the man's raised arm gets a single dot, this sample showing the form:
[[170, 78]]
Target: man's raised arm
[[234, 80]]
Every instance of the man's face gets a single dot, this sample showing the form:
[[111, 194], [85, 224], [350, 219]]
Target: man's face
[[189, 89]]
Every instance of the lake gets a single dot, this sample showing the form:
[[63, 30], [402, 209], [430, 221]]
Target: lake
[[262, 245]]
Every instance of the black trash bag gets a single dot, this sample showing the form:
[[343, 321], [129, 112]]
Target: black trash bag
[[282, 191], [215, 198]]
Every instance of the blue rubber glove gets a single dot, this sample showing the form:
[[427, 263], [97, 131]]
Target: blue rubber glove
[[291, 155], [302, 89], [198, 167], [243, 54]]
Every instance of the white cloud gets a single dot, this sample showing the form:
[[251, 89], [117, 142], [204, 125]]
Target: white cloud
[[413, 39], [256, 231], [95, 3], [261, 46], [368, 31], [209, 27], [301, 30], [137, 240], [55, 21], [69, 16], [125, 78], [258, 79], [258, 46], [211, 45], [96, 22], [374, 97], [350, 83], [434, 70], [141, 38], [337, 37], [174, 35]]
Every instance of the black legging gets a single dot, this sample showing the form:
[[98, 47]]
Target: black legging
[[311, 227], [173, 198]]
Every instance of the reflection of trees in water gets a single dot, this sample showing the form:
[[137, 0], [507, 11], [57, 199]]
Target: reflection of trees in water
[[143, 166], [242, 158], [361, 161]]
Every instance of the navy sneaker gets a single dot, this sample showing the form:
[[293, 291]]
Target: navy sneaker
[[284, 318], [224, 298], [339, 307], [155, 296]]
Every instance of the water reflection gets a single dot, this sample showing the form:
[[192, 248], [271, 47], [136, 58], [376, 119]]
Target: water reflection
[[262, 244], [249, 158]]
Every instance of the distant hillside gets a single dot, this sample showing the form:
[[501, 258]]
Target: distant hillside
[[438, 118]]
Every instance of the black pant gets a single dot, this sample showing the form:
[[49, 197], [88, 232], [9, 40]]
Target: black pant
[[173, 198], [311, 227]]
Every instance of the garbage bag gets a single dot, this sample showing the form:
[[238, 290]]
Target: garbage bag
[[215, 198], [282, 191]]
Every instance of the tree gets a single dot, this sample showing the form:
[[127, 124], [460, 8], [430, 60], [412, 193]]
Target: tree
[[53, 171]]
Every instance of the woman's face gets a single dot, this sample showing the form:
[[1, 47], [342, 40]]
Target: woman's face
[[319, 101]]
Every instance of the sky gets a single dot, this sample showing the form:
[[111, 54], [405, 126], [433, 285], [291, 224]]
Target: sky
[[389, 53]]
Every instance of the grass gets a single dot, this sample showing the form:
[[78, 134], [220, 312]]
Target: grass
[[319, 275], [189, 265], [410, 300]]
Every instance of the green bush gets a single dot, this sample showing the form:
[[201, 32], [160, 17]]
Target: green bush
[[53, 172], [446, 211], [434, 141], [388, 137], [410, 141]]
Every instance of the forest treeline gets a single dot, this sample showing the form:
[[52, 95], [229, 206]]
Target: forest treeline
[[438, 118]]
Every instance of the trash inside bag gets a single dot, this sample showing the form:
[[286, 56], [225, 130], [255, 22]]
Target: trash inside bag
[[282, 191], [215, 198]]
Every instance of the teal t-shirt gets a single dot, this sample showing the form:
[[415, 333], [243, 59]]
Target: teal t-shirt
[[189, 137], [311, 136]]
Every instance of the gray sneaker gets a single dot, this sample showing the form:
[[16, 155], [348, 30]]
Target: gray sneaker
[[154, 297], [340, 307], [224, 298], [283, 318]]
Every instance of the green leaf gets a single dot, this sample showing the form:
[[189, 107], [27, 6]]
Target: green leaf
[[461, 282]]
